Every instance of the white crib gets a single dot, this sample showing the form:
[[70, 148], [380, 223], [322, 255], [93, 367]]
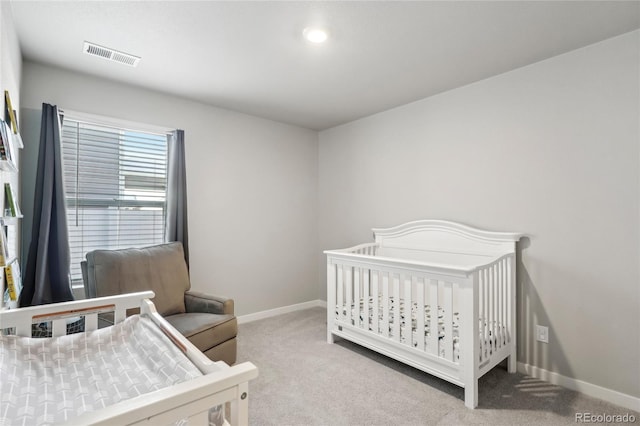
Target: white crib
[[437, 295]]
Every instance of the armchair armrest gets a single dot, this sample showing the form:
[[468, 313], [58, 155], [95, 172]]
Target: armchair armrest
[[200, 302]]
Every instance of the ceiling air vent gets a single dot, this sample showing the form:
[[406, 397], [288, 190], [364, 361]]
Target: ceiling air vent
[[110, 54]]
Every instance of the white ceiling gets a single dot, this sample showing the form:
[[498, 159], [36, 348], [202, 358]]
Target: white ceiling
[[250, 56]]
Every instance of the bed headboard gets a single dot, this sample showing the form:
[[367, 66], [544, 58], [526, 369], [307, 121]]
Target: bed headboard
[[445, 237]]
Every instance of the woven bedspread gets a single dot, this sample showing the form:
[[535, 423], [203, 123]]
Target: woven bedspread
[[50, 381]]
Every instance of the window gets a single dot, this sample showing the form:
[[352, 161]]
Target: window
[[115, 185]]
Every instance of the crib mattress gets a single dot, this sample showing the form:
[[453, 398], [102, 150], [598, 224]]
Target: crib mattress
[[488, 341], [50, 381]]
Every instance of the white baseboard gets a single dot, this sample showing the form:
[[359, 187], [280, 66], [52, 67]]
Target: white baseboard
[[282, 310], [609, 395]]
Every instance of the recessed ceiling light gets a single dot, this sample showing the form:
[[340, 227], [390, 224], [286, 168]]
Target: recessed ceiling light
[[315, 34]]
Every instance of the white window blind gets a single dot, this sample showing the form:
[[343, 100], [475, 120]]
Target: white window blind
[[115, 184]]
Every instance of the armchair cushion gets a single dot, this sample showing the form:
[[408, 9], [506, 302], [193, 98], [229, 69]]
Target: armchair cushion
[[125, 271], [205, 330], [201, 302]]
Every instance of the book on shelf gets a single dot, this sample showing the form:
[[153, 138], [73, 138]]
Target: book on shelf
[[13, 280], [9, 148], [4, 140], [7, 143], [3, 137], [4, 248], [10, 113], [11, 205]]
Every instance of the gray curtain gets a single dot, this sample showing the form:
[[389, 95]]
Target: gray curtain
[[176, 216], [46, 277]]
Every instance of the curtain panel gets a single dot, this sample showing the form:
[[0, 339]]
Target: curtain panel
[[46, 277], [176, 214]]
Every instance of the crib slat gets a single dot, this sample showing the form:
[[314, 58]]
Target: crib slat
[[433, 317], [496, 307], [376, 301], [448, 320], [340, 292], [511, 305], [496, 325], [365, 296], [396, 307], [385, 304], [481, 312], [408, 307], [348, 283], [500, 305], [356, 297], [492, 310], [59, 327], [420, 335], [119, 315], [91, 322], [485, 319], [23, 329], [496, 277], [505, 301]]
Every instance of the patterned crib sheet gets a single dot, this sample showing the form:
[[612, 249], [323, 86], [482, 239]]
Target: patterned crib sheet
[[488, 342], [50, 381]]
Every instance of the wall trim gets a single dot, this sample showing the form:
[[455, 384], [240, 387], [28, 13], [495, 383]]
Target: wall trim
[[609, 395], [282, 310]]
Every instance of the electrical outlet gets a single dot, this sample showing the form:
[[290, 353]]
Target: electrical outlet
[[542, 333]]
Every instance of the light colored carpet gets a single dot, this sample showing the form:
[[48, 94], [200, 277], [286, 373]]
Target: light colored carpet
[[305, 381]]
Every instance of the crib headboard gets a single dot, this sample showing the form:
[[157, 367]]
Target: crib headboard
[[445, 237]]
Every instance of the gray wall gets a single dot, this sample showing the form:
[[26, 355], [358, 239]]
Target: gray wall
[[252, 185], [10, 57], [552, 150]]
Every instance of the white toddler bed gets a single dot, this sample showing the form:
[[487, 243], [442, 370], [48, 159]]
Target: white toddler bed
[[436, 295], [140, 370]]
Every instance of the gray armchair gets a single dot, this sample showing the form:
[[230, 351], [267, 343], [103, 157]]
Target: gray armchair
[[207, 321]]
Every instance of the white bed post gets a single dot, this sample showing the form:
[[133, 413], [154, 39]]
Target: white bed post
[[240, 405], [511, 274], [331, 299], [469, 336]]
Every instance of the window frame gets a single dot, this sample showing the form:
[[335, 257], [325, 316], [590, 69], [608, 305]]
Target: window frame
[[123, 125]]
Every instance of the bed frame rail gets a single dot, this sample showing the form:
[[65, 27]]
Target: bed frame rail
[[58, 313]]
